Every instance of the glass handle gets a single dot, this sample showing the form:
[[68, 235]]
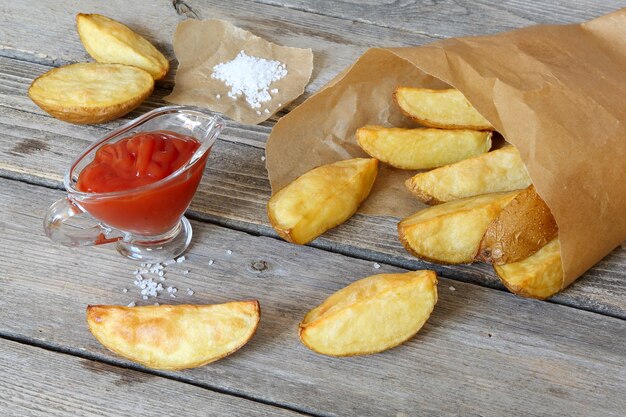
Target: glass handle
[[56, 229]]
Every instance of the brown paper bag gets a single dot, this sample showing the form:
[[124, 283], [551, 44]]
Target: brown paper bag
[[555, 92]]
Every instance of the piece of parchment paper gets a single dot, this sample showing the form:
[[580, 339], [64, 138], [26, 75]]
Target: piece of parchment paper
[[555, 92], [199, 45]]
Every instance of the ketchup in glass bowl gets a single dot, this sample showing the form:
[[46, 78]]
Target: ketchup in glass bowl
[[136, 183]]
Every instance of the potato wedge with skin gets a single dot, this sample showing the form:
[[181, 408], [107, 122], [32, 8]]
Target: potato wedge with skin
[[523, 227], [538, 276], [371, 315], [450, 233], [496, 171], [421, 148], [321, 199], [174, 336], [111, 42], [447, 109], [90, 92]]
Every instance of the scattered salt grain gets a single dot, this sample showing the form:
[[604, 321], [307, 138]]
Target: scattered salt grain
[[452, 288], [161, 273], [218, 96], [250, 76], [181, 259], [156, 304], [189, 292], [230, 252], [145, 297], [262, 158], [124, 290], [376, 265], [266, 111], [131, 304], [211, 262], [258, 113], [172, 296], [274, 90], [280, 104], [169, 262], [185, 272]]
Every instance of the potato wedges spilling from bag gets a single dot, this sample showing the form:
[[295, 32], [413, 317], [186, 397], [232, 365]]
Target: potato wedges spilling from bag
[[496, 171], [523, 227], [109, 41], [447, 109], [90, 92], [538, 276], [371, 315], [321, 199], [421, 148], [450, 233], [174, 337]]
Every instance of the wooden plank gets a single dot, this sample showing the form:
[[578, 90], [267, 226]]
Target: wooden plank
[[335, 42], [37, 148], [449, 18], [37, 382], [483, 352]]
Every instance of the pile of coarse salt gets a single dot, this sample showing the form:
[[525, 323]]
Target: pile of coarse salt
[[251, 77]]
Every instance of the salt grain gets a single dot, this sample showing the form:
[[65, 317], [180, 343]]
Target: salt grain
[[145, 297], [185, 272], [217, 96], [189, 292], [211, 262], [258, 112], [262, 158], [230, 252], [124, 290], [274, 90], [131, 304], [452, 288], [169, 262], [181, 259], [376, 265], [250, 76], [266, 111]]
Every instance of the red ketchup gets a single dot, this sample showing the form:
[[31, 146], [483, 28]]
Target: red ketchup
[[128, 167]]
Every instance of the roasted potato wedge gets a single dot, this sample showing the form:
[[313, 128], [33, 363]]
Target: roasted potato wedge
[[111, 42], [450, 233], [421, 148], [321, 199], [492, 172], [448, 109], [523, 227], [174, 336], [371, 315], [91, 92], [538, 276]]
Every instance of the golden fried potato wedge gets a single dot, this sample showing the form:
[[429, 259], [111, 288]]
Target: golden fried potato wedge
[[538, 276], [492, 172], [450, 233], [371, 315], [448, 109], [91, 92], [321, 199], [523, 227], [111, 42], [174, 336], [421, 148]]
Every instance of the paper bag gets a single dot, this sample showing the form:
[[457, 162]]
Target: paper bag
[[555, 92]]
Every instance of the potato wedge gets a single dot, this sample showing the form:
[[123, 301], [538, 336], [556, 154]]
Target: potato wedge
[[174, 336], [111, 42], [538, 276], [448, 109], [371, 315], [523, 227], [91, 92], [321, 199], [421, 148], [450, 233], [496, 171]]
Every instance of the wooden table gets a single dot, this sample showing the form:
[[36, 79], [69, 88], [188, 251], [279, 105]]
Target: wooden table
[[483, 352]]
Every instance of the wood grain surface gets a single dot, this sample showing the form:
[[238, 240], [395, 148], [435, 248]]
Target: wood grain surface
[[483, 352], [481, 349], [37, 382]]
